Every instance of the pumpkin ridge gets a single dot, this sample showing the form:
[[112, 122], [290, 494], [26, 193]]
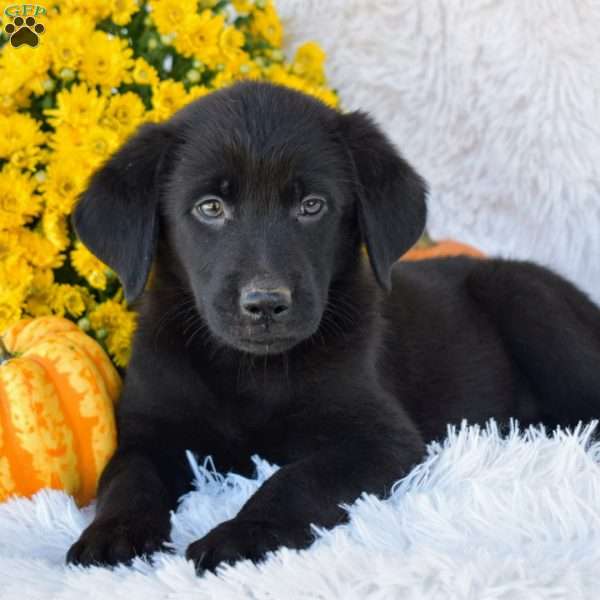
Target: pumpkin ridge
[[55, 461], [12, 447], [81, 447], [105, 368], [37, 329]]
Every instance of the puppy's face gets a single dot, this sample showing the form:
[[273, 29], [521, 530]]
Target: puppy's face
[[260, 213], [262, 195]]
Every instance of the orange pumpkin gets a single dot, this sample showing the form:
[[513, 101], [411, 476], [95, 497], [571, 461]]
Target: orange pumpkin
[[441, 248], [57, 394]]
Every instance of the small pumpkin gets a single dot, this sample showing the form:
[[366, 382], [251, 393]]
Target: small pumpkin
[[57, 394], [427, 249]]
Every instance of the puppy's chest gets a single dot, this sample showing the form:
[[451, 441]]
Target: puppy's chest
[[261, 411]]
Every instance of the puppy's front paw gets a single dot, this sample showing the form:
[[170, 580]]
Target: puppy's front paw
[[237, 540], [118, 540]]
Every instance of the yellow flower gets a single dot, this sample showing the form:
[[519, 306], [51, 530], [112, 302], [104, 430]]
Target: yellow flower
[[199, 37], [231, 41], [66, 48], [68, 299], [117, 325], [63, 184], [19, 132], [94, 9], [54, 226], [278, 74], [242, 67], [18, 203], [40, 293], [169, 15], [39, 251], [27, 158], [25, 70], [309, 62], [9, 244], [122, 10], [197, 92], [98, 144], [16, 275], [10, 310], [79, 107], [265, 24], [144, 73], [89, 267], [124, 113], [106, 60], [243, 7], [167, 97]]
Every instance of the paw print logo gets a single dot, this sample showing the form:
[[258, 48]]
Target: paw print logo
[[24, 31]]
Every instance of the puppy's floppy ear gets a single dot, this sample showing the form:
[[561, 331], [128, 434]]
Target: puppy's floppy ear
[[390, 194], [117, 216]]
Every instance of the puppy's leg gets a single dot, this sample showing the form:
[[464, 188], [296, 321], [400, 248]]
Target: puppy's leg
[[136, 494], [364, 454], [552, 331]]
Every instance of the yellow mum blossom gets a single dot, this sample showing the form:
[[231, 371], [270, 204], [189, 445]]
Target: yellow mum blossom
[[278, 74], [10, 309], [19, 132], [68, 299], [309, 62], [115, 324], [169, 15], [106, 60], [27, 158], [243, 7], [54, 226], [199, 37], [231, 41], [18, 203], [79, 107], [16, 275], [9, 244], [197, 92], [63, 184], [40, 294], [124, 113], [167, 97], [66, 49], [39, 251], [25, 70], [122, 10], [144, 73], [94, 9], [242, 67], [89, 267], [265, 23], [98, 144]]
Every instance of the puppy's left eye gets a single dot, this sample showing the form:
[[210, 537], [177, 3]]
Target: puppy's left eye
[[209, 207], [311, 206]]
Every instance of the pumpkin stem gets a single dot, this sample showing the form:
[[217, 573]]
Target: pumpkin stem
[[4, 353]]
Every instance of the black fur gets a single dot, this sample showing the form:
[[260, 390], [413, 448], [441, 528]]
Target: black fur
[[344, 388]]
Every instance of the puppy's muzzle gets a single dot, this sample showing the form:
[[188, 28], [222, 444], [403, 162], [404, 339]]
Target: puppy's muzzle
[[265, 303]]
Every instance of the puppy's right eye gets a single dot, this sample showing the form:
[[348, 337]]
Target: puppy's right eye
[[209, 207]]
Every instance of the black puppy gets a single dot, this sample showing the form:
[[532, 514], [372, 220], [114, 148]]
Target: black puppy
[[264, 332]]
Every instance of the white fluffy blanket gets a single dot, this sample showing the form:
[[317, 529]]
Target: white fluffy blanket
[[496, 102], [483, 517]]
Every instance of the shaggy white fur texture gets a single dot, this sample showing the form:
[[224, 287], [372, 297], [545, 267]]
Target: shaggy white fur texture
[[483, 517], [496, 102]]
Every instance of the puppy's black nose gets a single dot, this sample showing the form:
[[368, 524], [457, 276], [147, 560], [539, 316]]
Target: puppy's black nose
[[262, 303]]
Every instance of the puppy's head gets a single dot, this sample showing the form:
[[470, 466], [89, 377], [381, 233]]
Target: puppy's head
[[263, 195]]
